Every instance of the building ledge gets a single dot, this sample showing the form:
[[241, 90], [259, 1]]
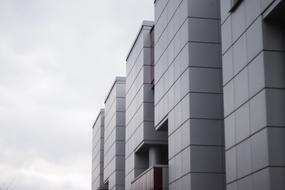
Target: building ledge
[[144, 145], [155, 177]]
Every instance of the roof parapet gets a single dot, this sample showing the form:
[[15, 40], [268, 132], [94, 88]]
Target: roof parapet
[[145, 24], [101, 111], [118, 79]]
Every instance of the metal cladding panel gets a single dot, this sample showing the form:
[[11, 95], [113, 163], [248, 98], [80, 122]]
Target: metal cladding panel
[[153, 178], [98, 151], [114, 143], [188, 91], [139, 101], [253, 92]]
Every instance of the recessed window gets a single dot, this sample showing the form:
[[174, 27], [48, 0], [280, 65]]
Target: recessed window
[[235, 4]]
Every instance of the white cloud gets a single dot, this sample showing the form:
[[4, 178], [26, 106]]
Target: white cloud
[[58, 59]]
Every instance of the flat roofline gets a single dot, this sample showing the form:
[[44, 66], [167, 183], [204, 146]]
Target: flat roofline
[[117, 79], [102, 110], [145, 23]]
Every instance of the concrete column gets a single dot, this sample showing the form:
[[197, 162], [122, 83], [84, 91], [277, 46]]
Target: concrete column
[[154, 156]]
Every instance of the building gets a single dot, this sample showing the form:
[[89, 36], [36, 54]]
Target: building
[[114, 136], [188, 91], [254, 93], [146, 148], [98, 152], [204, 99]]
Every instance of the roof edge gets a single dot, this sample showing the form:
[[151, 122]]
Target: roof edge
[[102, 110], [145, 23], [117, 79]]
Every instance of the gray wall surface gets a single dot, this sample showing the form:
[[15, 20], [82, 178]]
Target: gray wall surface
[[140, 129], [98, 151], [114, 142], [188, 91], [254, 95]]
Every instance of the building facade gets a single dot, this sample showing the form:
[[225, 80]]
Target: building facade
[[254, 94], [188, 91], [204, 99], [98, 152], [145, 147], [114, 136]]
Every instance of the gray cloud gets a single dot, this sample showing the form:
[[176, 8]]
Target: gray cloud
[[58, 59]]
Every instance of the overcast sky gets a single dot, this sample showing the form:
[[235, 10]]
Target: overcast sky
[[58, 59]]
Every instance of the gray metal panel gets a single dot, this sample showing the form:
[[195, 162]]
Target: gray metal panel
[[98, 151], [188, 91], [257, 87], [140, 104], [114, 143]]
